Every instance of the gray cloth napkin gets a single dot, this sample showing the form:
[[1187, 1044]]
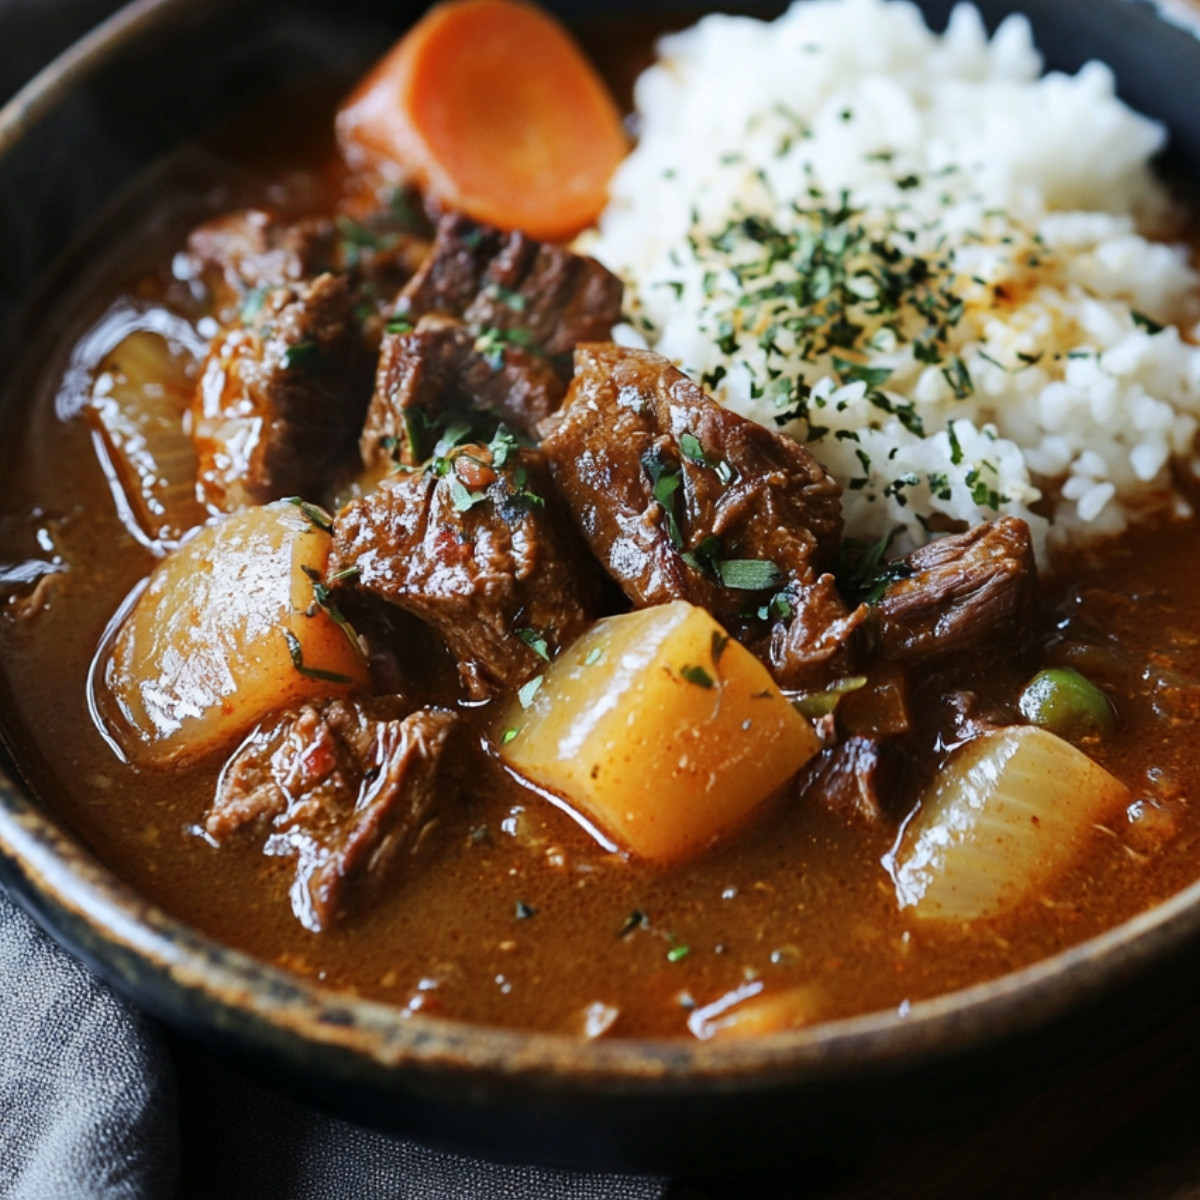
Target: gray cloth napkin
[[93, 1106], [87, 1091]]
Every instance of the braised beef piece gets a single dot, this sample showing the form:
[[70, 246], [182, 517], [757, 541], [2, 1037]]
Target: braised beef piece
[[344, 787], [477, 546], [681, 499], [960, 593], [245, 253], [495, 317], [548, 296], [854, 779], [280, 400], [251, 249], [435, 369]]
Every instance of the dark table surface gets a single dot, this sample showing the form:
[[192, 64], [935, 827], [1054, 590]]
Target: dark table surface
[[1127, 1125]]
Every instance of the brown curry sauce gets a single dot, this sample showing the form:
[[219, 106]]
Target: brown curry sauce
[[512, 914]]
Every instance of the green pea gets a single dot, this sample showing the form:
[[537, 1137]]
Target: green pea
[[1067, 703]]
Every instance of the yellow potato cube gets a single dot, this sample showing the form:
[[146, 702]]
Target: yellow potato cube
[[660, 729], [227, 630]]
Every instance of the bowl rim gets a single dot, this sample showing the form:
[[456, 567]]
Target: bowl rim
[[172, 969]]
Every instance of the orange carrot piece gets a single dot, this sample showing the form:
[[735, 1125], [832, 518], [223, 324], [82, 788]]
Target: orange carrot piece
[[493, 109]]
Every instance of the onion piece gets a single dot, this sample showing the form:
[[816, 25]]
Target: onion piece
[[136, 408], [1006, 815]]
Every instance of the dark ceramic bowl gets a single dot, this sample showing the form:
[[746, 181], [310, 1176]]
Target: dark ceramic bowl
[[164, 70]]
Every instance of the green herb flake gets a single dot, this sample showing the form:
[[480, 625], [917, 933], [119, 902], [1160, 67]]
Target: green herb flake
[[303, 356], [697, 675], [252, 305], [508, 735], [462, 499], [297, 654], [313, 513], [526, 692], [873, 377], [862, 572], [508, 297], [678, 953], [1144, 322], [821, 704], [636, 920], [693, 451], [959, 378], [719, 642], [323, 602], [398, 324], [535, 641], [594, 655], [525, 911], [749, 574], [502, 446]]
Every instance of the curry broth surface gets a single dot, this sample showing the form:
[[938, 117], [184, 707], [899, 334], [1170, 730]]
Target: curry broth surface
[[512, 914]]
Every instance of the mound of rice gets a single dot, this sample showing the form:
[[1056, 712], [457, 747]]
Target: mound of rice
[[920, 256]]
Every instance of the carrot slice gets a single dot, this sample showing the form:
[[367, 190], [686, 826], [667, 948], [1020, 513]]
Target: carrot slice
[[493, 109]]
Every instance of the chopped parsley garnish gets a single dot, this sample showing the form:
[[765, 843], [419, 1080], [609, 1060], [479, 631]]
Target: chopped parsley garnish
[[324, 602], [665, 478], [521, 491], [252, 305], [697, 675], [313, 513], [719, 642], [535, 641], [984, 495], [502, 446], [821, 704], [297, 653], [678, 953], [959, 378], [636, 920], [594, 655], [526, 692], [492, 342], [690, 448], [749, 574], [508, 735], [862, 571], [303, 356], [525, 911], [461, 497], [873, 377], [508, 297], [452, 435], [398, 324], [1144, 322], [419, 433]]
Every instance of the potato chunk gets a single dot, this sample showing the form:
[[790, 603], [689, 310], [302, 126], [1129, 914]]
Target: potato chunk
[[1006, 815], [659, 729], [227, 630]]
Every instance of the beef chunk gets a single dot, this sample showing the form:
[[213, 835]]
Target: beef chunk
[[545, 295], [243, 254], [344, 787], [249, 250], [436, 370], [280, 401], [682, 499], [962, 593], [496, 316], [850, 778], [476, 546]]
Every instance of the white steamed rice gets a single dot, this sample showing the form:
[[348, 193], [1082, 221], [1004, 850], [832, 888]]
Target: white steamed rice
[[985, 230]]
